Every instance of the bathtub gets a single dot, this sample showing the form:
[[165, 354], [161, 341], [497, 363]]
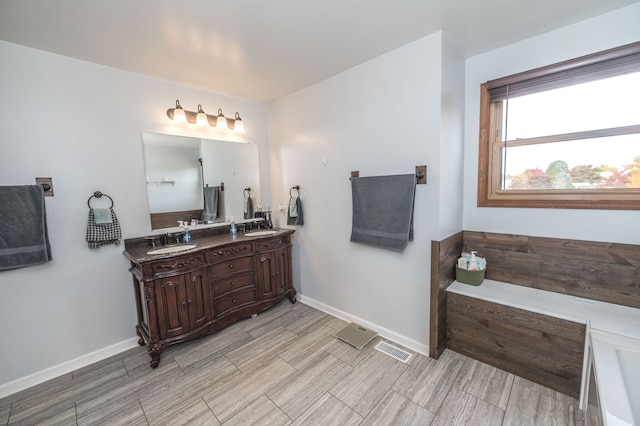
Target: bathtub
[[616, 362]]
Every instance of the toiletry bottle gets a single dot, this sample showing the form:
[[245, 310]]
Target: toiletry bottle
[[473, 263], [186, 238], [233, 229], [462, 263]]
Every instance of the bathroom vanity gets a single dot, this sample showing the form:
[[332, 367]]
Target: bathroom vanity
[[186, 295]]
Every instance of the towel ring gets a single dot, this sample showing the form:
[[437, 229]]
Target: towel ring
[[99, 194], [297, 188]]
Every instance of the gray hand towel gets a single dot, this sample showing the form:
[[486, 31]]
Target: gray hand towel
[[294, 213], [24, 240], [248, 208], [383, 210]]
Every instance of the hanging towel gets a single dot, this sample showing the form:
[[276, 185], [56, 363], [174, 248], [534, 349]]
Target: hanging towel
[[294, 214], [248, 208], [24, 240], [211, 203], [383, 210], [102, 235], [102, 216]]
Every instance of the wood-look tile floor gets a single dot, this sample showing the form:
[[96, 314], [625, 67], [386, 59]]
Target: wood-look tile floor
[[284, 367]]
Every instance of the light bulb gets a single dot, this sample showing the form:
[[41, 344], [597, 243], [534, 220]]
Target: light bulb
[[238, 125], [178, 114], [201, 118], [221, 122]]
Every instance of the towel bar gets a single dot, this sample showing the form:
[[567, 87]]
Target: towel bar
[[421, 175], [221, 186], [47, 185]]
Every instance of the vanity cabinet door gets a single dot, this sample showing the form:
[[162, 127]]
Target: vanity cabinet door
[[171, 297], [274, 271], [198, 299], [184, 303]]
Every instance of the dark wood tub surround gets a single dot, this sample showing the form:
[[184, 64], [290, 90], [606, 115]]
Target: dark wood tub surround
[[607, 272], [170, 219], [541, 348], [444, 255]]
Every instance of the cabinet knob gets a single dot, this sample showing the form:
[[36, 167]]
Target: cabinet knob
[[233, 284], [231, 266], [234, 301]]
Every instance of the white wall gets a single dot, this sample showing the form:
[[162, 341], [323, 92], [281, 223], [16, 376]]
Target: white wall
[[80, 124], [605, 31], [382, 117], [450, 175]]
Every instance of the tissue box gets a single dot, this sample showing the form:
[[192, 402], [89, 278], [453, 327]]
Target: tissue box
[[470, 277]]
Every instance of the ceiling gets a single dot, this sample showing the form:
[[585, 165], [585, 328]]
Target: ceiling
[[261, 50]]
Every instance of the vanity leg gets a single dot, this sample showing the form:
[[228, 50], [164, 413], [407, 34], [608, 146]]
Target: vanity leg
[[154, 353], [292, 296], [141, 339]]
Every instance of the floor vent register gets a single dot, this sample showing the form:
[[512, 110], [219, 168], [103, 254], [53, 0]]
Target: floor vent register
[[393, 352]]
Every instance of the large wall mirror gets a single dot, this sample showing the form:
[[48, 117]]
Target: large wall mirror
[[183, 172]]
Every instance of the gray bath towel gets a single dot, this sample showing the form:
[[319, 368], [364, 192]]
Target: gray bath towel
[[211, 203], [24, 240], [383, 210]]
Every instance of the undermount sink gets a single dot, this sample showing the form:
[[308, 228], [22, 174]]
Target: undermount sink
[[172, 249], [259, 233]]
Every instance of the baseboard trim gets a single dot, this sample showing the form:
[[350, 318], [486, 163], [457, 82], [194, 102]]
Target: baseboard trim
[[408, 343], [42, 376], [82, 361]]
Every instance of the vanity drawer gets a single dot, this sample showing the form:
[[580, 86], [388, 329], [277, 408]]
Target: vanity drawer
[[230, 303], [221, 288], [233, 266], [273, 243], [235, 250], [179, 264]]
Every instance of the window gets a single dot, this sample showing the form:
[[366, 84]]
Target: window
[[566, 135]]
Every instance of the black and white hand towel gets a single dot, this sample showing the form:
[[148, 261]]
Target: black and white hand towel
[[103, 233]]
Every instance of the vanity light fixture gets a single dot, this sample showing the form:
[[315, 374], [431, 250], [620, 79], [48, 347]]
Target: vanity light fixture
[[238, 125], [178, 114], [199, 118], [221, 122]]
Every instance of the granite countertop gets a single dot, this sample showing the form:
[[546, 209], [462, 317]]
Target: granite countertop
[[136, 248]]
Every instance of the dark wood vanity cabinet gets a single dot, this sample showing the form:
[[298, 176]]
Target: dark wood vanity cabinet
[[192, 295]]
